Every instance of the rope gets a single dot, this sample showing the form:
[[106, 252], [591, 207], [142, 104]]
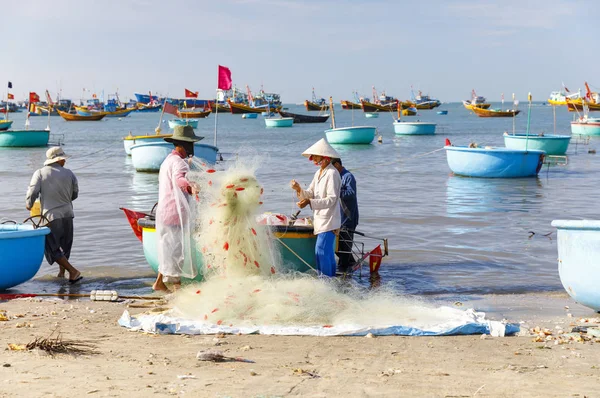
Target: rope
[[90, 154], [297, 255]]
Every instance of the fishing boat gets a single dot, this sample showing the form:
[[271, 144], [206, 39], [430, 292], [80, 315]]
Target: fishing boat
[[579, 106], [305, 118], [119, 113], [132, 140], [559, 98], [24, 138], [350, 105], [249, 115], [242, 108], [183, 122], [442, 112], [579, 260], [412, 128], [221, 108], [22, 248], [148, 157], [148, 108], [279, 121], [369, 107], [424, 101], [552, 144], [493, 162], [193, 113], [316, 104], [70, 117], [476, 101], [586, 125], [348, 135], [482, 112], [5, 124]]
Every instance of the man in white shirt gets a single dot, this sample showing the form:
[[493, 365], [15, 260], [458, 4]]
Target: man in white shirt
[[323, 197]]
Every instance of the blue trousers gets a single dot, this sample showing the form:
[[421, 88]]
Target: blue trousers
[[325, 253]]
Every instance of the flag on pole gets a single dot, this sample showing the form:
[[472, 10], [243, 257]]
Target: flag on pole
[[190, 94], [224, 78], [9, 84], [170, 108], [10, 96], [375, 257], [33, 98]]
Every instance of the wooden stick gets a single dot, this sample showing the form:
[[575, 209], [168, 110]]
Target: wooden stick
[[9, 296]]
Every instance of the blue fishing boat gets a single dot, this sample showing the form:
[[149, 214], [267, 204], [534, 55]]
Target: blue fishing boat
[[132, 140], [442, 112], [279, 121], [183, 122], [348, 135], [22, 249], [148, 157], [552, 144], [5, 124], [493, 162], [249, 115], [414, 128], [24, 138], [579, 260]]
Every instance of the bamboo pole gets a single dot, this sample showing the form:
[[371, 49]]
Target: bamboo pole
[[332, 112]]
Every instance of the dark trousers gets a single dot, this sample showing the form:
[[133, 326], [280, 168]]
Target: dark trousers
[[60, 239], [345, 256]]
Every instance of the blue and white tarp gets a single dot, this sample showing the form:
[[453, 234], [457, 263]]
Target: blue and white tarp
[[461, 323]]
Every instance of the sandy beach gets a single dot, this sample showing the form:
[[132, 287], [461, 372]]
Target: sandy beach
[[135, 364]]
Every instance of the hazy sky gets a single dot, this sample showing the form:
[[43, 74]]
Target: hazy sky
[[444, 47]]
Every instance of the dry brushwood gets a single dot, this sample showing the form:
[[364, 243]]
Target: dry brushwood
[[55, 344]]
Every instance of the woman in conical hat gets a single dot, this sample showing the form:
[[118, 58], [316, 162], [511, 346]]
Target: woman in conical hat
[[323, 197]]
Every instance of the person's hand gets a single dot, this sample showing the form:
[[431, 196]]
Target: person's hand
[[303, 203], [195, 188], [295, 186]]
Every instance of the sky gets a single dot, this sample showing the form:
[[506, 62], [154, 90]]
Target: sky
[[445, 48]]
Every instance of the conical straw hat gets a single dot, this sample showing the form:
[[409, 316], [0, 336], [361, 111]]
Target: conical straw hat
[[321, 148]]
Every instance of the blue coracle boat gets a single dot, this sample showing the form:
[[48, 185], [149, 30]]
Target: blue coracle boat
[[414, 128], [24, 138], [442, 112], [183, 122], [579, 260], [249, 115], [22, 249], [351, 135], [494, 162], [149, 157], [279, 122], [551, 144]]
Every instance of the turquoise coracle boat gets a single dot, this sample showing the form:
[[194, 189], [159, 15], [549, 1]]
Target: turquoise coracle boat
[[351, 135], [279, 122], [24, 138], [551, 144], [414, 128], [579, 260], [148, 157], [22, 249], [183, 122], [5, 124], [494, 162]]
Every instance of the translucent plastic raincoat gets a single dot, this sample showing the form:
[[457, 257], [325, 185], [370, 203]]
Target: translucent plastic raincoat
[[174, 220]]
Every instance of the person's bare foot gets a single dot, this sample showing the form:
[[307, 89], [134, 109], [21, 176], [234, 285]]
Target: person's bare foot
[[176, 286], [160, 286], [61, 274]]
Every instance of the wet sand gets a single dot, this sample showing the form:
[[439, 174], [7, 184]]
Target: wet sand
[[135, 364]]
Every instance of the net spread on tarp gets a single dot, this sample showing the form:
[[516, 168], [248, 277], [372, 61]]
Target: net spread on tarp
[[246, 288]]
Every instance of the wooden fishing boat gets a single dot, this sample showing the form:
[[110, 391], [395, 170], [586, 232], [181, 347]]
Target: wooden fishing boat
[[305, 118], [493, 162], [481, 112], [476, 101], [5, 124], [552, 144], [579, 106], [22, 248], [369, 107], [24, 138], [579, 260], [241, 108], [468, 105], [350, 105], [70, 117], [145, 108], [120, 113], [193, 113], [222, 108], [313, 106]]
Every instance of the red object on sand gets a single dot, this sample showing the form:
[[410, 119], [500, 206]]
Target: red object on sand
[[133, 217]]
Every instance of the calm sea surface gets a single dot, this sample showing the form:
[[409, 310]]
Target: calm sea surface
[[448, 235]]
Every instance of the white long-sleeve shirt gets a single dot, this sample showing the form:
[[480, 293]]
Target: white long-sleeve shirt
[[324, 195]]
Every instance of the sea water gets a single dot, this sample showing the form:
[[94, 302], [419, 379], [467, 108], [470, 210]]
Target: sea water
[[448, 235]]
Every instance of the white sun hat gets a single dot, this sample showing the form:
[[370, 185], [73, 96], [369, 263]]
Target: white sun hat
[[55, 154], [321, 148]]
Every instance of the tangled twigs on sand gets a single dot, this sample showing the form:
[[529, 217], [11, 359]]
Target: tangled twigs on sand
[[55, 344], [217, 356]]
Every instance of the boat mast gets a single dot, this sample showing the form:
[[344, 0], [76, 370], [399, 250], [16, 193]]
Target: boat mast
[[515, 105], [399, 108], [332, 112], [162, 112], [528, 119]]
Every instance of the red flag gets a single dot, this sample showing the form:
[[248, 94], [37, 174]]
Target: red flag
[[170, 108], [10, 96], [224, 78], [190, 94], [375, 259], [33, 98], [133, 217]]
